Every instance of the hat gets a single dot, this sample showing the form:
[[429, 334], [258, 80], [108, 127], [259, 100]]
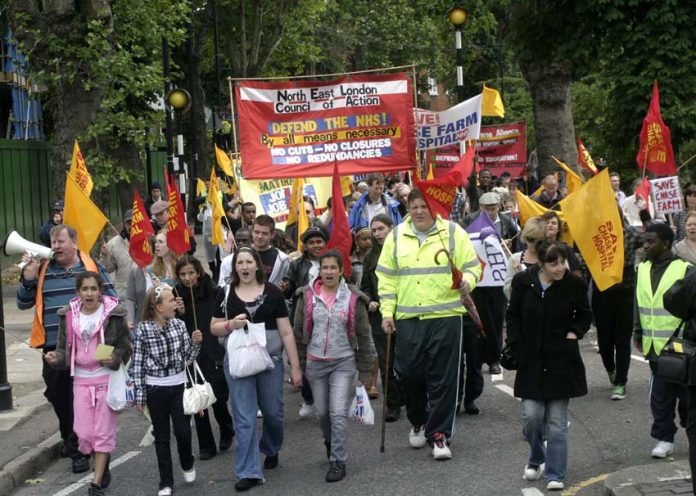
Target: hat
[[489, 198], [158, 207], [313, 232], [128, 215], [58, 206], [155, 185]]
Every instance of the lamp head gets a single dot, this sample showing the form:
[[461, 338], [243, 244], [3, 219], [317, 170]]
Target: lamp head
[[179, 99], [457, 16]]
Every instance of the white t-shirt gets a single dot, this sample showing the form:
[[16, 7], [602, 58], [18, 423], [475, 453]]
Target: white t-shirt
[[89, 323], [373, 209], [313, 270]]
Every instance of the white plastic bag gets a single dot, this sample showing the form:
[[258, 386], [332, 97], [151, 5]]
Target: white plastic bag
[[360, 409], [121, 393], [197, 397], [246, 351]]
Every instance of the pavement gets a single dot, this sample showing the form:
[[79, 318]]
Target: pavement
[[29, 441]]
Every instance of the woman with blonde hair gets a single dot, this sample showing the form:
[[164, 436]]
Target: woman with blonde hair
[[534, 230]]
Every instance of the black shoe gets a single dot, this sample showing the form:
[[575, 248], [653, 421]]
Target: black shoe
[[69, 447], [80, 464], [337, 471], [226, 442], [494, 369], [270, 462], [246, 484], [471, 408], [206, 455], [106, 476], [95, 490], [393, 414], [328, 449]]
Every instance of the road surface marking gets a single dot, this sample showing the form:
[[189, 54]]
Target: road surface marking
[[87, 479], [582, 485], [507, 390], [639, 358], [531, 491]]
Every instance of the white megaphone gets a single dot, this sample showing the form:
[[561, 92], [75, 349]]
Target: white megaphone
[[15, 244]]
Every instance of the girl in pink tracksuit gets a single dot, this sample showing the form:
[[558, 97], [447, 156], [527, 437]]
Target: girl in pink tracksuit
[[91, 319]]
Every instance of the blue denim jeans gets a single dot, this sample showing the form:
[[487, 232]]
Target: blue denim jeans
[[550, 418], [333, 388], [261, 391]]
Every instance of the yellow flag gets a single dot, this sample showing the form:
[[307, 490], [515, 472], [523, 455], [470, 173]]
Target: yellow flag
[[78, 170], [491, 103], [594, 221], [346, 185], [215, 201], [200, 187], [573, 181], [82, 214], [429, 175], [297, 213], [529, 208], [223, 160]]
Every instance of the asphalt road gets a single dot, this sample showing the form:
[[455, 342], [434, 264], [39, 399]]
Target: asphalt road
[[489, 451]]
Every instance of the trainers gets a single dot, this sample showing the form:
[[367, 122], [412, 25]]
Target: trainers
[[259, 414], [190, 475], [306, 410], [612, 376], [531, 473], [95, 490], [337, 471], [619, 392], [555, 485], [662, 449], [165, 491], [495, 369], [441, 449], [416, 438]]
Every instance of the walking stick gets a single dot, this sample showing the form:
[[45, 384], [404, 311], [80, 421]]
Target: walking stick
[[384, 393]]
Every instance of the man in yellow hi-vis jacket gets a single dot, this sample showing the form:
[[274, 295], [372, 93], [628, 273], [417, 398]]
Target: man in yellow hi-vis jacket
[[417, 303], [652, 327]]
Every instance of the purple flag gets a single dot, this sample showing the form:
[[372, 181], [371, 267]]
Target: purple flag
[[484, 226]]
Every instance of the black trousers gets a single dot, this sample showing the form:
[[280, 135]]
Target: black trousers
[[386, 370], [491, 304], [470, 376], [165, 403], [666, 400], [215, 375], [426, 361], [59, 392], [613, 313]]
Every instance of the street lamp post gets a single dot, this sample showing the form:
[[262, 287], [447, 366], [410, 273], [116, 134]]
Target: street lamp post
[[458, 16], [5, 387], [180, 100]]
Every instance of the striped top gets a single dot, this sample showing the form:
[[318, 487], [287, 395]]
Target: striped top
[[58, 290]]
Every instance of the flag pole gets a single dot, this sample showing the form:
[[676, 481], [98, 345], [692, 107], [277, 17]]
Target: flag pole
[[384, 394], [193, 307], [234, 125], [687, 161]]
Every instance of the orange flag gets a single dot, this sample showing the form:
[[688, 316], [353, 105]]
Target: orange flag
[[140, 248], [585, 159], [178, 234]]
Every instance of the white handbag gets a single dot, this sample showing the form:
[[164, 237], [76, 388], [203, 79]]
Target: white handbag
[[246, 351], [197, 397]]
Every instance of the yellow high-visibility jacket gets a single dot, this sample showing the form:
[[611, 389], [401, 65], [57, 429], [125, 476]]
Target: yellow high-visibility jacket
[[411, 284], [657, 323]]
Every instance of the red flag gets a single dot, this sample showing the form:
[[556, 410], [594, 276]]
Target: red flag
[[643, 190], [585, 159], [178, 234], [140, 248], [655, 152], [341, 238], [440, 193]]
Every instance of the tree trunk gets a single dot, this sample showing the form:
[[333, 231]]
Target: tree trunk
[[549, 84]]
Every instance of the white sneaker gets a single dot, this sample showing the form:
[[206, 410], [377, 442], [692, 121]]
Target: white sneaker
[[307, 410], [416, 438], [532, 474], [555, 485], [662, 449], [190, 476], [165, 491], [259, 414], [441, 450]]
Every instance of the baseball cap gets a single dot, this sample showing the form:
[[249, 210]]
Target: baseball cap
[[158, 207], [313, 232], [58, 206]]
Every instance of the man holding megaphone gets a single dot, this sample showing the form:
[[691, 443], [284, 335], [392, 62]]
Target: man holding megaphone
[[48, 285]]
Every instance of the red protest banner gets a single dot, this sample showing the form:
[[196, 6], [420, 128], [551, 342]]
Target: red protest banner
[[300, 129], [178, 235], [503, 148], [139, 247], [655, 152]]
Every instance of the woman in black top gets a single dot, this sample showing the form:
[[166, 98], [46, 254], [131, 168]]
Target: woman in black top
[[248, 299], [197, 300]]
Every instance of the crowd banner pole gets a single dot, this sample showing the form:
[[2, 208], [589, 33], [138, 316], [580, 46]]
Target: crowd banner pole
[[419, 158], [234, 125], [317, 76]]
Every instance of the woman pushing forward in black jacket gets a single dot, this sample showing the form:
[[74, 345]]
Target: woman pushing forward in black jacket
[[548, 313]]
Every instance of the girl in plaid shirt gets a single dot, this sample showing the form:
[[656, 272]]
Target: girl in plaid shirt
[[162, 350]]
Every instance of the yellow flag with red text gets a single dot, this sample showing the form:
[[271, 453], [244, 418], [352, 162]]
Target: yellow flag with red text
[[573, 181], [595, 223], [78, 170], [529, 208]]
